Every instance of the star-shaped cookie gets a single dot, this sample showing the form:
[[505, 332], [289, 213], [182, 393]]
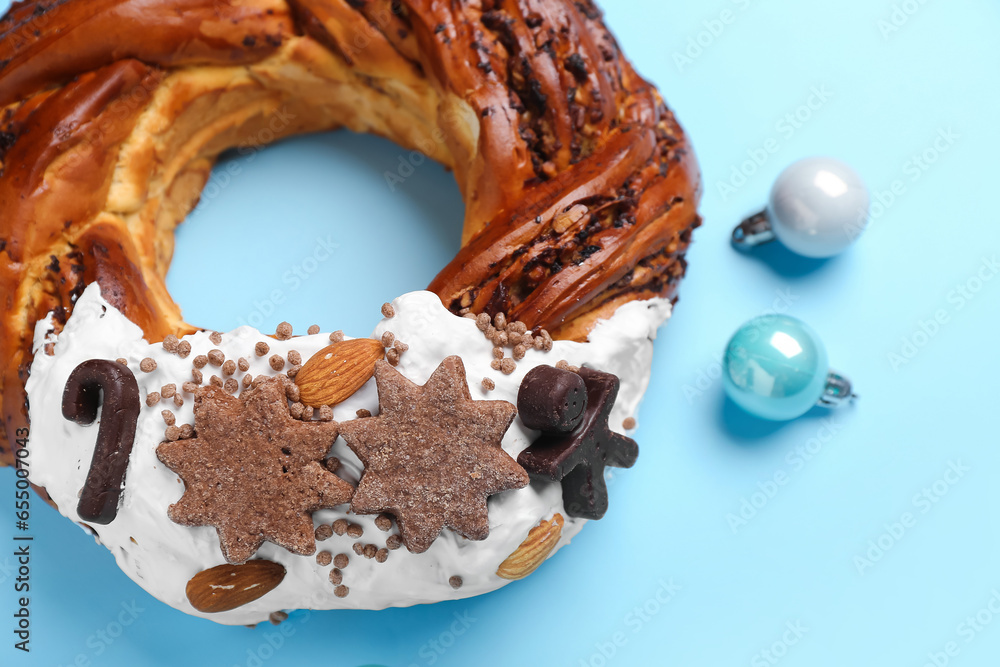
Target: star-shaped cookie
[[432, 456], [253, 471]]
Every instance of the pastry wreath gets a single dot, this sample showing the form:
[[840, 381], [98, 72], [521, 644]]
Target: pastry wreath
[[581, 189], [581, 193]]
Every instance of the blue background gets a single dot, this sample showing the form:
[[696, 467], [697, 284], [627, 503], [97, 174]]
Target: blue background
[[890, 95]]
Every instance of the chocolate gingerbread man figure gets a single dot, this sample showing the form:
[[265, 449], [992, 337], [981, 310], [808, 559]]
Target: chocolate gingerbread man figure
[[576, 444]]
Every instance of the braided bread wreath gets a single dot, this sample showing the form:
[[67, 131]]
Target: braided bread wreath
[[212, 477]]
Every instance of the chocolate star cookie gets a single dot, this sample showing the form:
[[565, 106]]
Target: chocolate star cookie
[[432, 456], [253, 471]]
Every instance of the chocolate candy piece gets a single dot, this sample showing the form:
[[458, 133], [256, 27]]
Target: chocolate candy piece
[[552, 400], [578, 458], [115, 436]]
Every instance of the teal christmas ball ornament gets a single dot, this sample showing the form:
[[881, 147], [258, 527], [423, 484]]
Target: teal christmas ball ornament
[[776, 367]]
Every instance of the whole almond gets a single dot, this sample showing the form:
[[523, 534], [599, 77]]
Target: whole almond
[[226, 587], [336, 372], [541, 540]]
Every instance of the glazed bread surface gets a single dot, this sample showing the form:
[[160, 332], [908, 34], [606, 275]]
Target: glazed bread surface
[[581, 189]]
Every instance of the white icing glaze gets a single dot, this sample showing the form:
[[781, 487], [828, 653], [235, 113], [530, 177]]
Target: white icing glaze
[[162, 556]]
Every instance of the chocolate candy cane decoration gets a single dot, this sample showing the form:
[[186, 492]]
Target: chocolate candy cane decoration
[[115, 436]]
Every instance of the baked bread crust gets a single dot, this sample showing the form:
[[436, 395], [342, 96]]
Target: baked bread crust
[[581, 189]]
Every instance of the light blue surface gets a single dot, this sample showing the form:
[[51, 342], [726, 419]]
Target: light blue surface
[[874, 528], [775, 367]]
